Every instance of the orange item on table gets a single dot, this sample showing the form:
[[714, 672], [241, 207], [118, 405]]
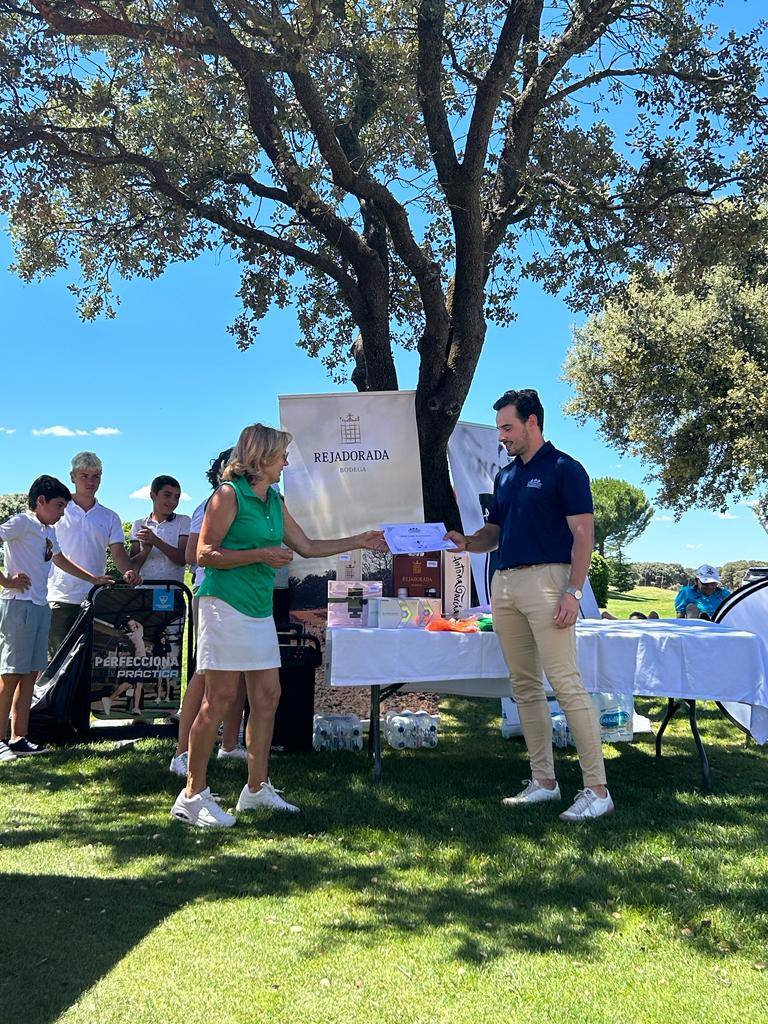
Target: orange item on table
[[441, 625]]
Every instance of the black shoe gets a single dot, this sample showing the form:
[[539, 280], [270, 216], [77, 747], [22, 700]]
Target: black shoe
[[23, 748]]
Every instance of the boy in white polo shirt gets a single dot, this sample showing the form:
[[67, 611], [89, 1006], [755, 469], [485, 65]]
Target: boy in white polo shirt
[[30, 547], [84, 532], [158, 542]]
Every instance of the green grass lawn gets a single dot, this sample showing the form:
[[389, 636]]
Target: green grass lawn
[[642, 599], [422, 900]]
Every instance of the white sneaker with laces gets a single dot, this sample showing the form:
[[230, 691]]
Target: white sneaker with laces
[[588, 805], [201, 810], [179, 764], [534, 793], [267, 797], [237, 751], [6, 754]]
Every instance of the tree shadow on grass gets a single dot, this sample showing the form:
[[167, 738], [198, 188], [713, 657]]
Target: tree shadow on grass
[[432, 848]]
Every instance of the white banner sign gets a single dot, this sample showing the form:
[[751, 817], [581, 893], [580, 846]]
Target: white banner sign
[[353, 464], [475, 456]]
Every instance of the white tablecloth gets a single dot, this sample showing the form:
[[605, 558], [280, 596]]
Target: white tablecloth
[[665, 658]]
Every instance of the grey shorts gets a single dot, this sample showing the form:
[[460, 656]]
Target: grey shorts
[[24, 630]]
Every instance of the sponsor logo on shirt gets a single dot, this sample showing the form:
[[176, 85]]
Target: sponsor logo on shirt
[[535, 483]]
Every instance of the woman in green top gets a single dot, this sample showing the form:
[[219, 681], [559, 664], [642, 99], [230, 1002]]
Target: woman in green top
[[241, 545]]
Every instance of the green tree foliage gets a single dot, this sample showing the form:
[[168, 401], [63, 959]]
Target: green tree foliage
[[670, 575], [598, 578], [392, 169], [112, 569], [732, 573], [621, 574], [10, 504], [622, 512], [675, 369]]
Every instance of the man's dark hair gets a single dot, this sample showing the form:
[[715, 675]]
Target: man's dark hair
[[163, 481], [526, 402], [213, 475], [47, 487]]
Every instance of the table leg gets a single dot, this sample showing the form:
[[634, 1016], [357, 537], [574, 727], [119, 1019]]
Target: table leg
[[672, 708], [705, 782], [374, 733]]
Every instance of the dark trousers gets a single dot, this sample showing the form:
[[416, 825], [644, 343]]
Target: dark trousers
[[62, 620]]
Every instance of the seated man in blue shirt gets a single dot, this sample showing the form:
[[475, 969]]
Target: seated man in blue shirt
[[706, 592]]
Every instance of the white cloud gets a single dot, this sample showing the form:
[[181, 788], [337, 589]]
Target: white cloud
[[60, 431], [663, 518], [143, 494], [694, 547], [7, 430], [725, 515]]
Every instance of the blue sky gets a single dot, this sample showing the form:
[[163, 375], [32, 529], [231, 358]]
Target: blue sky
[[169, 380]]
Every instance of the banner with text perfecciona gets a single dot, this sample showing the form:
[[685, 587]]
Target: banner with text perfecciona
[[353, 464]]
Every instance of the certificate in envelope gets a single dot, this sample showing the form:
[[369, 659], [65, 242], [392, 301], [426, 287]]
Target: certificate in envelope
[[411, 538]]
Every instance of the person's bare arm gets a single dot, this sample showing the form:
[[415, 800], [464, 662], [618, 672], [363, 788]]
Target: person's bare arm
[[123, 562], [62, 562], [305, 546], [486, 539], [190, 552], [582, 528], [148, 539], [219, 516]]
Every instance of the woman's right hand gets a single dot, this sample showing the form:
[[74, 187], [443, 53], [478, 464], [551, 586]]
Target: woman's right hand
[[276, 557]]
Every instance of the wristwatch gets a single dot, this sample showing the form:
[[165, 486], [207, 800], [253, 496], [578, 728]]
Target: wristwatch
[[578, 594]]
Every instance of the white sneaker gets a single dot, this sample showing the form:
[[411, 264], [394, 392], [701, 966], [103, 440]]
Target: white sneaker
[[237, 751], [266, 797], [178, 764], [588, 805], [534, 793], [201, 810], [6, 754]]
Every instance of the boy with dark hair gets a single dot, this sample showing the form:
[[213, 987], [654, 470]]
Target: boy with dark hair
[[25, 617]]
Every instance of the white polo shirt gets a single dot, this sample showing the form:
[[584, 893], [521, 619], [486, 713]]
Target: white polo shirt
[[158, 566], [84, 538], [196, 526], [26, 540]]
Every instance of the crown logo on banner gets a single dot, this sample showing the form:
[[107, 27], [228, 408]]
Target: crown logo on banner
[[350, 429]]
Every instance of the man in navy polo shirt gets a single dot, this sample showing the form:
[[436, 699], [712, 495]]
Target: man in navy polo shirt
[[542, 522]]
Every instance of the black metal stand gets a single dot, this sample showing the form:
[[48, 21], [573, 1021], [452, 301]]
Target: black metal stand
[[378, 694], [673, 706]]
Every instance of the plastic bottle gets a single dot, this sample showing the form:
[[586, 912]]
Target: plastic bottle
[[561, 734], [410, 729], [337, 732], [615, 712]]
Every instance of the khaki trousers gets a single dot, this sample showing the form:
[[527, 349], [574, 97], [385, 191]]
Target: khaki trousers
[[524, 604]]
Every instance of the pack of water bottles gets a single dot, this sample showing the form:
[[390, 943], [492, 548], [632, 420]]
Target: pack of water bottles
[[337, 732], [615, 713], [410, 729]]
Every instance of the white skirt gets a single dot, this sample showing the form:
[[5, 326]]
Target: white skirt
[[228, 641]]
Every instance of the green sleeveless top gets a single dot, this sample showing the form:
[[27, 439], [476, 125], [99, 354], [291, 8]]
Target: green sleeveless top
[[258, 524]]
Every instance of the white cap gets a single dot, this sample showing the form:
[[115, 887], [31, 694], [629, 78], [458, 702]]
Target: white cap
[[707, 574]]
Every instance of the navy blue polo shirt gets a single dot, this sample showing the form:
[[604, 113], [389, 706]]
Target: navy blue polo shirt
[[530, 503]]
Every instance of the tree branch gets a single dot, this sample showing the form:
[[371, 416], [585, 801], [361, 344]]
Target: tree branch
[[429, 74]]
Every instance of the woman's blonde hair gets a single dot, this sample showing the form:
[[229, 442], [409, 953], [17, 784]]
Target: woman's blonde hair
[[256, 445]]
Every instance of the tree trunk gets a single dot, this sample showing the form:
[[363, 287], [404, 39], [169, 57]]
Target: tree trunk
[[439, 499]]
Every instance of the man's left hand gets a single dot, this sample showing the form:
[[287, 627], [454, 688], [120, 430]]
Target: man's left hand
[[567, 611], [131, 577]]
